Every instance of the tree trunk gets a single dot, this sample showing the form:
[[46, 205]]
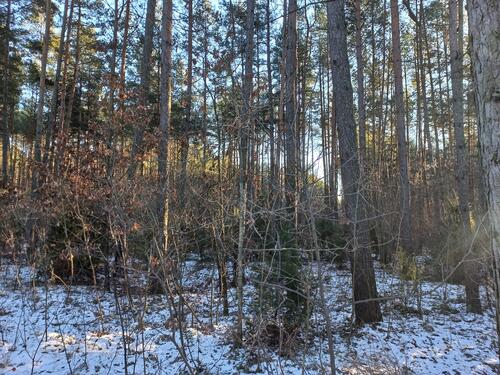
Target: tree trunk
[[165, 108], [290, 107], [205, 93], [62, 134], [35, 179], [273, 167], [55, 90], [243, 175], [5, 104], [111, 102], [144, 84], [360, 87], [456, 59], [123, 62], [405, 224], [366, 306], [182, 188], [484, 23], [273, 170], [436, 168], [76, 70]]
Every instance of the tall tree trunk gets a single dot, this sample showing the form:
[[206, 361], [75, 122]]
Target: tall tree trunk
[[184, 140], [280, 141], [325, 152], [165, 109], [273, 167], [333, 148], [427, 144], [55, 89], [205, 94], [243, 175], [122, 83], [62, 134], [441, 99], [360, 87], [111, 100], [301, 122], [456, 61], [484, 23], [123, 61], [366, 306], [5, 104], [424, 147], [137, 151], [76, 69], [273, 170], [290, 116], [35, 179], [436, 168], [405, 224]]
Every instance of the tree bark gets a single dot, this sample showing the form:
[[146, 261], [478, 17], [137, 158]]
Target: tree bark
[[165, 108], [144, 85], [5, 104], [184, 141], [360, 87], [55, 90], [404, 194], [243, 175], [35, 180], [456, 60], [290, 115], [111, 102], [484, 23], [273, 168], [62, 134], [123, 62], [76, 70], [366, 306]]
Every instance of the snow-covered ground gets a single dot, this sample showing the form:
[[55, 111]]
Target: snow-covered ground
[[60, 329]]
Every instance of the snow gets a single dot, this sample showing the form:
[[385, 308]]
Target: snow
[[57, 329]]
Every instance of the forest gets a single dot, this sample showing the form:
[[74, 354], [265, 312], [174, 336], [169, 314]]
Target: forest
[[250, 187]]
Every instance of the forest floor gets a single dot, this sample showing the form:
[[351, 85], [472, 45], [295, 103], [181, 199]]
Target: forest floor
[[57, 329]]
